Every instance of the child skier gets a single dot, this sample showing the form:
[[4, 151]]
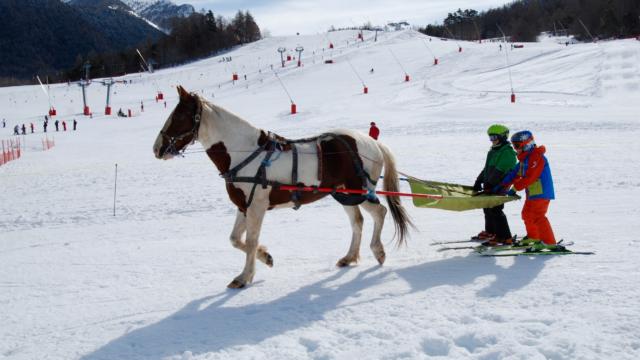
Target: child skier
[[533, 174], [500, 160]]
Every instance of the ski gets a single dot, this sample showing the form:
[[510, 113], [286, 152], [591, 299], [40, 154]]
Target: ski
[[457, 248], [537, 253], [498, 248], [483, 248], [455, 242], [473, 239]]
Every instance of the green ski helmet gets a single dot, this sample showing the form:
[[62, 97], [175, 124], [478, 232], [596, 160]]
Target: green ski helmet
[[498, 130]]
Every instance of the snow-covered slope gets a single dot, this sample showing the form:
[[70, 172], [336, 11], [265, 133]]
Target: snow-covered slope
[[78, 282], [159, 11]]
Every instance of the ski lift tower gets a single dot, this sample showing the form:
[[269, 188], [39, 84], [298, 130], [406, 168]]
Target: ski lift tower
[[108, 83], [281, 50], [299, 49], [83, 84], [376, 37]]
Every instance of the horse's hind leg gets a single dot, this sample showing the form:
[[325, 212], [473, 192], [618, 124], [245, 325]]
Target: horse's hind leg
[[377, 211], [239, 229], [356, 219]]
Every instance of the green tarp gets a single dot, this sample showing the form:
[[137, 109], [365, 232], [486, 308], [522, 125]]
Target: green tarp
[[455, 197]]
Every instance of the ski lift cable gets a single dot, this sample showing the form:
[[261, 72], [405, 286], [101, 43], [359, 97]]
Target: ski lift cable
[[44, 90], [424, 42], [506, 53], [587, 30], [283, 87], [398, 61], [452, 36], [355, 72], [147, 70]]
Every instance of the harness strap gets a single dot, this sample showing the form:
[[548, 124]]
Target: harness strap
[[275, 144], [357, 164], [230, 175], [261, 174], [295, 195]]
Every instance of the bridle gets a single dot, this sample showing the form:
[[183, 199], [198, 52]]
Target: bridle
[[171, 148]]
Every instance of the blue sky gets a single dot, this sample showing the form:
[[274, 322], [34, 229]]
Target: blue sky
[[286, 17]]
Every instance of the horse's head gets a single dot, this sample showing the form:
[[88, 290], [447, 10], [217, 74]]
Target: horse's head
[[181, 128]]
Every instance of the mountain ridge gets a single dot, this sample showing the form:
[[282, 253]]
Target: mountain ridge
[[43, 36]]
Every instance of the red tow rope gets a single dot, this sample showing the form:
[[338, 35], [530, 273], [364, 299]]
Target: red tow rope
[[354, 191]]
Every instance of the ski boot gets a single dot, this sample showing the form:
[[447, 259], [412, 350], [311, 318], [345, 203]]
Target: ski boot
[[483, 236], [527, 241], [495, 241], [539, 246]]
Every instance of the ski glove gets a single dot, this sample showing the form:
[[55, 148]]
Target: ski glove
[[477, 186]]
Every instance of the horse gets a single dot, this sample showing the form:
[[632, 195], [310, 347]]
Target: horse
[[340, 159]]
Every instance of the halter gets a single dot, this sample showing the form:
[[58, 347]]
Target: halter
[[171, 148]]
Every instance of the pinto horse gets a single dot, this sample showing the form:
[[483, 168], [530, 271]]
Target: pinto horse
[[255, 163]]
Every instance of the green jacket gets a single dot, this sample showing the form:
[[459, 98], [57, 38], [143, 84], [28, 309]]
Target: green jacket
[[500, 160]]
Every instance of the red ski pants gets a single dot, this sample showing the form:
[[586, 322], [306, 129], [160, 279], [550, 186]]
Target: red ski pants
[[534, 214]]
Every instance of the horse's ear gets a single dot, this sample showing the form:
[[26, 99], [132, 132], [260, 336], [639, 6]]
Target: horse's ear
[[183, 93]]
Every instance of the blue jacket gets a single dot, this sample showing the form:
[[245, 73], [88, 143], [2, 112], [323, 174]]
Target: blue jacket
[[533, 174]]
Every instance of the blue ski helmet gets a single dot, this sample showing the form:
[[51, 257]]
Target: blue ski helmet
[[523, 140]]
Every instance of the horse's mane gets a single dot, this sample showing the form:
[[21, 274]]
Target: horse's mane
[[224, 113]]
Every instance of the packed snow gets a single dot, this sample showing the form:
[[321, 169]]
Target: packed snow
[[150, 282]]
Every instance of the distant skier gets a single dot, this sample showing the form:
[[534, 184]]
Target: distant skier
[[500, 160], [4, 123], [141, 107], [16, 130], [64, 125], [533, 173], [374, 132], [24, 130], [56, 124], [44, 125], [75, 124], [32, 128]]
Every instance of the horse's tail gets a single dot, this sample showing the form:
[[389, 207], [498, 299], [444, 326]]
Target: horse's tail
[[391, 183]]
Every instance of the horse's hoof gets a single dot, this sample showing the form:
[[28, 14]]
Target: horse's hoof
[[381, 258], [236, 284], [269, 260], [344, 262]]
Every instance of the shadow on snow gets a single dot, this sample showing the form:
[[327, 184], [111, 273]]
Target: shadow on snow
[[207, 325]]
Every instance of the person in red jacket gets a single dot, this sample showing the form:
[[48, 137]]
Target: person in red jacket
[[533, 174], [374, 132], [64, 125]]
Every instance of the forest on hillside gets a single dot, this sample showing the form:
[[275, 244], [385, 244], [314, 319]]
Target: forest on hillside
[[196, 36], [524, 20], [191, 38]]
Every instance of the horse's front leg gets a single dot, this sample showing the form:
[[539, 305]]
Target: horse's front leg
[[239, 229], [356, 219], [254, 216]]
